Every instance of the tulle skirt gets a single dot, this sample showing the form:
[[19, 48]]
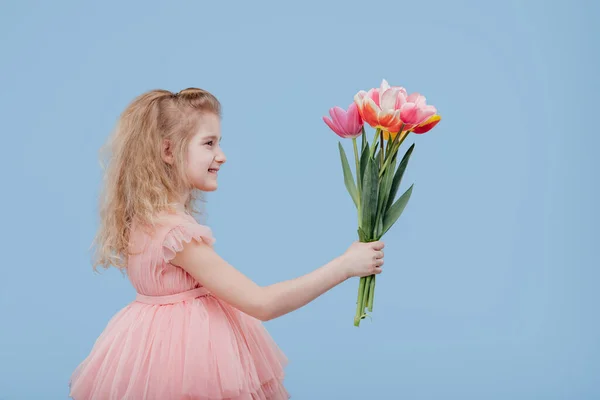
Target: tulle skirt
[[198, 349]]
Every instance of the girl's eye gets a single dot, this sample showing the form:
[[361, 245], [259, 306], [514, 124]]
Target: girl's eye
[[211, 142]]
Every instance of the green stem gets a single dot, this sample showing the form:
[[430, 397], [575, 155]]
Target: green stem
[[381, 147], [375, 142], [359, 303], [366, 293], [358, 177], [371, 294]]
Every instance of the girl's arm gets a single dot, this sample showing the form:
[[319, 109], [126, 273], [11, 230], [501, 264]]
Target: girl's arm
[[263, 303]]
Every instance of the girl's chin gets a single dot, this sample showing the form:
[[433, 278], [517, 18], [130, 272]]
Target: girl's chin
[[208, 186]]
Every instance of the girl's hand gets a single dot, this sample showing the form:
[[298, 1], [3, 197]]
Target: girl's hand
[[363, 259]]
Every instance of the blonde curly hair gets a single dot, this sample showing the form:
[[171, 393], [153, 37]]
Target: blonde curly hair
[[137, 183]]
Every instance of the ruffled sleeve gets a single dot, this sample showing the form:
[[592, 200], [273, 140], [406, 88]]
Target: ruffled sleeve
[[182, 233]]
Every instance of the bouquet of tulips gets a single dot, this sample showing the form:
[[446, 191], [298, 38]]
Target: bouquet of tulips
[[394, 114]]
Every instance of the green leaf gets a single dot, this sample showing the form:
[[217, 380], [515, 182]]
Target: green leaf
[[362, 235], [386, 183], [375, 142], [363, 140], [348, 178], [384, 192], [370, 196], [398, 177], [396, 210], [388, 148], [359, 176], [378, 227]]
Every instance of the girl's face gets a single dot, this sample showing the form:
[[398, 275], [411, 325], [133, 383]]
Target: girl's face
[[204, 154]]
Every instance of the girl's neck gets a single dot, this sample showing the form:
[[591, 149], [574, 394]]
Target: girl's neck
[[180, 200], [179, 206], [179, 203]]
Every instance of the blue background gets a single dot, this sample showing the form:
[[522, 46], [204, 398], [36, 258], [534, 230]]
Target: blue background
[[490, 289]]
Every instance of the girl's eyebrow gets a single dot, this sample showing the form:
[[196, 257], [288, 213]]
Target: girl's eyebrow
[[213, 137]]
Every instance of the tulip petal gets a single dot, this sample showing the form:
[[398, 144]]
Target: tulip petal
[[417, 98], [425, 113], [384, 86], [355, 122], [390, 135], [333, 126], [375, 95], [385, 119], [359, 101], [330, 123], [388, 99], [400, 98], [409, 113], [429, 110], [427, 125], [359, 96], [397, 123], [339, 116], [371, 112]]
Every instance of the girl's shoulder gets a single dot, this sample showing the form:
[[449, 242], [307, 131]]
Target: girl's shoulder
[[170, 229]]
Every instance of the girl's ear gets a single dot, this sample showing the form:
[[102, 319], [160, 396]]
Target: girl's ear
[[167, 152]]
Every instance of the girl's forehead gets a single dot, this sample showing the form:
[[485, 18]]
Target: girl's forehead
[[208, 132], [209, 125]]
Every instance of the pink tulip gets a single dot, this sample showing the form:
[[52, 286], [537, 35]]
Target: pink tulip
[[415, 111], [347, 124], [388, 107]]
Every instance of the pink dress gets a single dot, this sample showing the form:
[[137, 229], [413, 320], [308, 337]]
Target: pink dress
[[176, 341]]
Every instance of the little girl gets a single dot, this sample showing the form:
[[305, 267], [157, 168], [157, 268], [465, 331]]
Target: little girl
[[194, 330]]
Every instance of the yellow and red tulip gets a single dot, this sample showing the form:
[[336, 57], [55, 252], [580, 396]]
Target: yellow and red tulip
[[427, 125]]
